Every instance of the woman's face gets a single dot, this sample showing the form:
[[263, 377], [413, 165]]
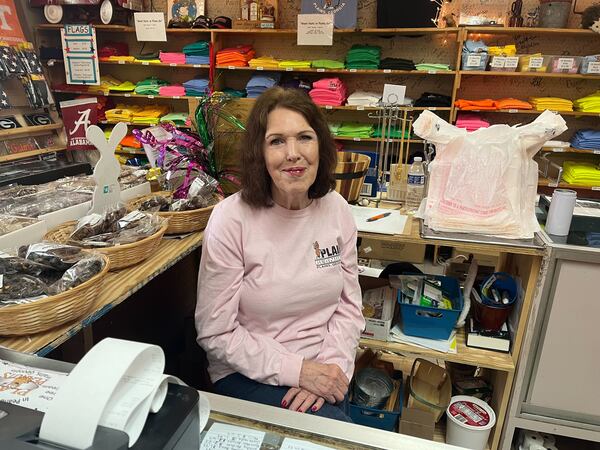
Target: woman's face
[[291, 150]]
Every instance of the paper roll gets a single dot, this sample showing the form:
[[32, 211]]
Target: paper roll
[[531, 439], [561, 212], [549, 439]]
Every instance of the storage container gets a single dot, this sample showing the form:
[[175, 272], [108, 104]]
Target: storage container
[[429, 388], [350, 173], [533, 63], [380, 418], [554, 13], [504, 63], [474, 61], [590, 65], [430, 322], [564, 64], [469, 422]]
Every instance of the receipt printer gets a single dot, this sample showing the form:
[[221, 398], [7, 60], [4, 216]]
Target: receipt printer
[[174, 427]]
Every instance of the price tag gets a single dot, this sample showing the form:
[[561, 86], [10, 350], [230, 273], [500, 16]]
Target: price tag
[[196, 66], [513, 111], [596, 152], [151, 97], [498, 62], [387, 70], [432, 72], [51, 63], [320, 70], [536, 62], [360, 108], [473, 60], [595, 188], [328, 107], [145, 63], [260, 68], [177, 96], [289, 69], [565, 63], [357, 139], [558, 150], [127, 95], [432, 108], [352, 70], [231, 67], [121, 61], [552, 184], [511, 62], [593, 67]]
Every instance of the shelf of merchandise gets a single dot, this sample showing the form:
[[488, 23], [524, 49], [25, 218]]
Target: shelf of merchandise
[[374, 139], [570, 150], [141, 125], [125, 94], [465, 355], [132, 152], [39, 152], [568, 76], [564, 185], [342, 71], [531, 111], [366, 108], [30, 130], [120, 28], [524, 30], [53, 62]]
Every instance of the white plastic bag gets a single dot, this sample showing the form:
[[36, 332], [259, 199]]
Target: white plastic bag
[[485, 181]]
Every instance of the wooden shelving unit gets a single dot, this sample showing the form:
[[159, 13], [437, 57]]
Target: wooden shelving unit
[[534, 112], [566, 76], [39, 129], [570, 150], [343, 71], [21, 155]]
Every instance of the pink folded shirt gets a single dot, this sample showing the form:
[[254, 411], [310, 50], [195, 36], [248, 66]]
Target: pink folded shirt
[[172, 58], [471, 122], [172, 91]]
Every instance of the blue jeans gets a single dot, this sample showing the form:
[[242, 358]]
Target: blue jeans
[[239, 386]]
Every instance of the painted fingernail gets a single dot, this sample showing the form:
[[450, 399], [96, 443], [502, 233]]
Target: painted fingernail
[[283, 403], [313, 409]]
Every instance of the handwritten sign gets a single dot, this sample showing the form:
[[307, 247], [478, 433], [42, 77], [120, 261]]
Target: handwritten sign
[[80, 54], [150, 26], [315, 29]]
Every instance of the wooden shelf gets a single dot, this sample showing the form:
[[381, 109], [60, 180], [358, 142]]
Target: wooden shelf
[[466, 355], [524, 30], [146, 63], [344, 71], [133, 153], [366, 108], [357, 139], [125, 94], [531, 111], [545, 182], [21, 155], [111, 122], [570, 150], [30, 130], [122, 28], [530, 74]]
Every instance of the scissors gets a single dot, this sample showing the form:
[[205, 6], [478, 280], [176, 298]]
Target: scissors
[[516, 20]]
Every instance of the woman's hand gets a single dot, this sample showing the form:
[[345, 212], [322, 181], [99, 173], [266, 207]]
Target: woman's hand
[[301, 400], [324, 380]]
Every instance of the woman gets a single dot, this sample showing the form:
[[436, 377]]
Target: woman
[[279, 305]]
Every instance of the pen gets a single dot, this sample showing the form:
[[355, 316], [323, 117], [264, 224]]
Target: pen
[[378, 216]]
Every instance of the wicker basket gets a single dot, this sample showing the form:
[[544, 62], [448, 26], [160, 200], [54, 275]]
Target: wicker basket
[[350, 173], [120, 256], [180, 222], [50, 312]]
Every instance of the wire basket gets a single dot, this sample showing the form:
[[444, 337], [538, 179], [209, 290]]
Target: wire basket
[[180, 222], [120, 256], [52, 311]]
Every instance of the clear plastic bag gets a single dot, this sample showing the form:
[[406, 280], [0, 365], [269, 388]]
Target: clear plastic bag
[[19, 288], [55, 256], [79, 273], [485, 181], [8, 224]]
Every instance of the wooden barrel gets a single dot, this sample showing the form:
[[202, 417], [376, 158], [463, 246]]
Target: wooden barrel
[[350, 173]]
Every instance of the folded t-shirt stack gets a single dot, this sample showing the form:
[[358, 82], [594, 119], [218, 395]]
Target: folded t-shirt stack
[[175, 90], [331, 64], [297, 83], [267, 62], [355, 130], [589, 103], [552, 103], [294, 64], [149, 86], [582, 173], [122, 113], [328, 91], [197, 53], [432, 67], [260, 82], [149, 115], [178, 118], [586, 139], [172, 58], [363, 57], [235, 56], [397, 64], [431, 99], [393, 132], [471, 122], [334, 127], [196, 87], [125, 86], [239, 93], [512, 103], [129, 142], [485, 104], [363, 98]]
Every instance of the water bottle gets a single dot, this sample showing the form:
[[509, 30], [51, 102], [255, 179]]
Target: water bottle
[[415, 190]]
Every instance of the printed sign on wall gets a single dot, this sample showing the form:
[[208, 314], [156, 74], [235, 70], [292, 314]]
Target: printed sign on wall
[[80, 54], [10, 28]]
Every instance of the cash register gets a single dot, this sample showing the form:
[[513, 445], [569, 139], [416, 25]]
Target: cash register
[[175, 426]]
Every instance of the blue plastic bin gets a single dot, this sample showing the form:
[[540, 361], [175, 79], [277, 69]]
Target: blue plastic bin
[[480, 57], [432, 323], [379, 418]]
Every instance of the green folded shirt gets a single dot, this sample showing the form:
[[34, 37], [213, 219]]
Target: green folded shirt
[[327, 64], [150, 86], [200, 48], [178, 118]]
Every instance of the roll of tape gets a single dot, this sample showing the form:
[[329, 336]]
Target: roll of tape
[[530, 438]]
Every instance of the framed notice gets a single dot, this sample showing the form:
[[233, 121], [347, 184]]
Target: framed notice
[[80, 54]]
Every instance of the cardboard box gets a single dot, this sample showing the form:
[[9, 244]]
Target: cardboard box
[[418, 423], [135, 192], [391, 251], [378, 308]]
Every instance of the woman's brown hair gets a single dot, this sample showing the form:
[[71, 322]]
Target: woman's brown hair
[[256, 181]]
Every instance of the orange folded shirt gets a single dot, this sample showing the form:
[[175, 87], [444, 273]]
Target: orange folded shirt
[[130, 141], [475, 105], [512, 103]]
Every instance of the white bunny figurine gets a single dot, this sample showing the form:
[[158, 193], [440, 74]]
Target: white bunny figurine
[[106, 173]]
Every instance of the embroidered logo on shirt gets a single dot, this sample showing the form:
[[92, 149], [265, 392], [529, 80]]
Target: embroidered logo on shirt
[[326, 257]]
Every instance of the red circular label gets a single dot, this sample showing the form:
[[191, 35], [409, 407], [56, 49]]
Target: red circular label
[[469, 413]]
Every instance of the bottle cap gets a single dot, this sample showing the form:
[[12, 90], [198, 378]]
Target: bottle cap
[[418, 159]]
